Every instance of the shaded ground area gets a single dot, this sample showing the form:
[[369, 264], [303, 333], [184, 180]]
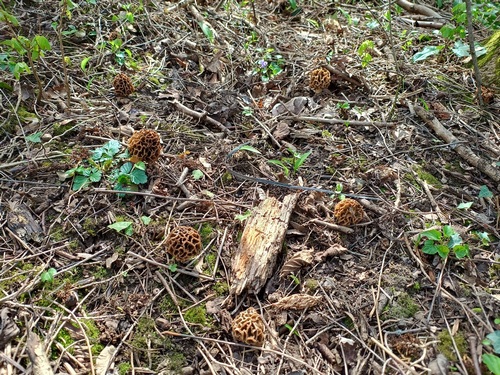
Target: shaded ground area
[[86, 268]]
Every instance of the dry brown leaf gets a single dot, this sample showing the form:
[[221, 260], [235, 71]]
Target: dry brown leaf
[[104, 360], [334, 250], [297, 302], [296, 262]]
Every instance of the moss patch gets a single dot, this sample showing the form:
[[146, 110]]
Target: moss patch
[[197, 315], [401, 307], [445, 345]]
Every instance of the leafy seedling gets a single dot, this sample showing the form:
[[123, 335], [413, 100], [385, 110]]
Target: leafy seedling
[[129, 176], [125, 226], [145, 220], [242, 217], [35, 137], [490, 360], [48, 276], [291, 163], [197, 174], [442, 242]]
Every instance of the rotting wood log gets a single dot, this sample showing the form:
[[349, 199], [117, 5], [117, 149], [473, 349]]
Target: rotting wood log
[[37, 355], [464, 151], [260, 244]]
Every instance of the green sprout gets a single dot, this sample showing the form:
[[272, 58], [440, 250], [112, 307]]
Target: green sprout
[[442, 242], [294, 163]]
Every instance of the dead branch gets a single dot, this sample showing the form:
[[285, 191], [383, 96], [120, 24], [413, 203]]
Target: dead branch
[[417, 8], [465, 152], [200, 116]]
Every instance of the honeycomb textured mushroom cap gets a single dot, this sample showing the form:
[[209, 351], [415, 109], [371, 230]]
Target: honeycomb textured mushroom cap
[[123, 85], [145, 145], [248, 327], [183, 243], [319, 79], [348, 212]]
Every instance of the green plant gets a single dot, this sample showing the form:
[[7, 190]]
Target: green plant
[[483, 11], [492, 361], [124, 368], [442, 242], [269, 65], [242, 217], [126, 226], [127, 177], [364, 52], [343, 105], [14, 50], [293, 331], [197, 174], [294, 162], [197, 315], [48, 276]]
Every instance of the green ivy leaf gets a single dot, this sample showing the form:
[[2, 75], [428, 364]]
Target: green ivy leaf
[[427, 52], [242, 217], [145, 220], [464, 205], [95, 175], [443, 250], [120, 225], [461, 251], [492, 362], [448, 231], [429, 247], [454, 241], [484, 192], [432, 234], [48, 276], [197, 174], [138, 176], [35, 137], [126, 168], [80, 182], [494, 337]]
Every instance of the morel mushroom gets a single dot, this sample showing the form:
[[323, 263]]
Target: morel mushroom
[[248, 327], [348, 212], [144, 145], [319, 79], [183, 243], [123, 85]]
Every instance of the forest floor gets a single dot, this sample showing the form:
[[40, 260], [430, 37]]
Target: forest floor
[[85, 269]]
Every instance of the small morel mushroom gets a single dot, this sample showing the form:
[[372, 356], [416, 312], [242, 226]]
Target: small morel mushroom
[[319, 79], [348, 212], [248, 327], [123, 85], [183, 243], [144, 145]]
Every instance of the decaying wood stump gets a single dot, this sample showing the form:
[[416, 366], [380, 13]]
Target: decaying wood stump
[[260, 244]]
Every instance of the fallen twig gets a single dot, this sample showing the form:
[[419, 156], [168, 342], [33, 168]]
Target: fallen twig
[[465, 152], [200, 116]]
